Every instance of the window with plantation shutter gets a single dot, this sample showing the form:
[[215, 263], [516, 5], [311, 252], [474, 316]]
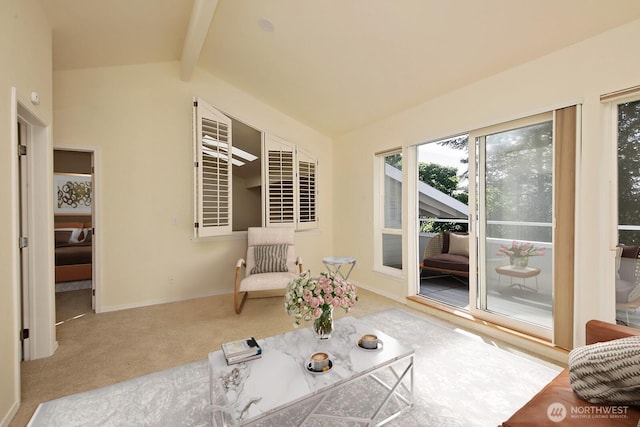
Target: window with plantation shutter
[[212, 136], [280, 190], [307, 192], [256, 179]]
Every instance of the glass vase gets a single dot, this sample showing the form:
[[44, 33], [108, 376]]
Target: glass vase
[[323, 325], [520, 262]]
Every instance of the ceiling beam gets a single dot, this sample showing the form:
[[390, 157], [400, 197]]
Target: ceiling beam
[[201, 17]]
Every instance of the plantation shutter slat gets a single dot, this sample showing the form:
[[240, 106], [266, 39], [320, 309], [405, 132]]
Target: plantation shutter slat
[[307, 191], [212, 142], [280, 182]]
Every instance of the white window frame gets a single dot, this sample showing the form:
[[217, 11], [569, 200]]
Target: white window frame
[[380, 229], [610, 103], [611, 123], [272, 172]]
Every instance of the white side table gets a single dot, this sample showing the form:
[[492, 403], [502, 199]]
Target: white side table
[[521, 273], [335, 263]]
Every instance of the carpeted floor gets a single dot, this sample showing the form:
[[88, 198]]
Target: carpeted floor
[[72, 305], [461, 380], [96, 350]]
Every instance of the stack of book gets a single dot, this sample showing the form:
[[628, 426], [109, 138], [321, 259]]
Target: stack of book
[[241, 350]]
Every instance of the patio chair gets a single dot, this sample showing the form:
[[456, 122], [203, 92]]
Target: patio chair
[[448, 254], [270, 264], [627, 279]]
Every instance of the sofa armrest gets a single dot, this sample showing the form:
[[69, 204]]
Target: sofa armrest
[[599, 331], [434, 247], [559, 390]]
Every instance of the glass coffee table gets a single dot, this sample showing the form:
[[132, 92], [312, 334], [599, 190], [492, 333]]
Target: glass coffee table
[[278, 388]]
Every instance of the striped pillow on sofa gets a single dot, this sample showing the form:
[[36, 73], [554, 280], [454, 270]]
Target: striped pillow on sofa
[[607, 372]]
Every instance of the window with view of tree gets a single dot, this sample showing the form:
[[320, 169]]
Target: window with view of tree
[[519, 183], [388, 250], [627, 278], [629, 173], [443, 191]]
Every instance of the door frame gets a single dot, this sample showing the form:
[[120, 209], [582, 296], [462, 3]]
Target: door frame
[[40, 310], [96, 301], [23, 135]]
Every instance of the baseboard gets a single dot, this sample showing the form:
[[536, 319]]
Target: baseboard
[[9, 416], [395, 298], [160, 301]]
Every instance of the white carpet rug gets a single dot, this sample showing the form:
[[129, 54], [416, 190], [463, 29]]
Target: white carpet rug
[[459, 381]]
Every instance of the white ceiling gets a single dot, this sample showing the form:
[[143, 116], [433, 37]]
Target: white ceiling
[[333, 64]]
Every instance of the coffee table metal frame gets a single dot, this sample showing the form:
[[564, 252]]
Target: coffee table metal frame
[[399, 377], [394, 358]]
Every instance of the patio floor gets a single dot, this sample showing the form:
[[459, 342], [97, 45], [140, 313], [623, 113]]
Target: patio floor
[[515, 302]]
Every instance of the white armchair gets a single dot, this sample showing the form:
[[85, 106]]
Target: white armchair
[[270, 264]]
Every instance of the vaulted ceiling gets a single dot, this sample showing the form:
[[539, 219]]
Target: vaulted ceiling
[[335, 65]]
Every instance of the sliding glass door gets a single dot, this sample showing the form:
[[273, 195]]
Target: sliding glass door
[[497, 240], [514, 199]]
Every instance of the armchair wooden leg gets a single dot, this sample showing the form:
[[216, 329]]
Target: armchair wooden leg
[[237, 302]]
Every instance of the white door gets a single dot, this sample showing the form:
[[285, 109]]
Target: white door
[[23, 130], [93, 235]]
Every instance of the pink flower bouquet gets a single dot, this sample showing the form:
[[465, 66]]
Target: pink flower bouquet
[[306, 297], [520, 250]]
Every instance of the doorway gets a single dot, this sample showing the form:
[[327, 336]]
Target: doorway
[[443, 214], [521, 182], [74, 234]]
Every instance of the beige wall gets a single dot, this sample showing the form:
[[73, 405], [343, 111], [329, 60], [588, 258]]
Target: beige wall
[[139, 118], [138, 121], [25, 63], [580, 73]]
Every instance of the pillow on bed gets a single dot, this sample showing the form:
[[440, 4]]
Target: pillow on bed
[[88, 234], [459, 244], [270, 258], [607, 372], [65, 236]]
